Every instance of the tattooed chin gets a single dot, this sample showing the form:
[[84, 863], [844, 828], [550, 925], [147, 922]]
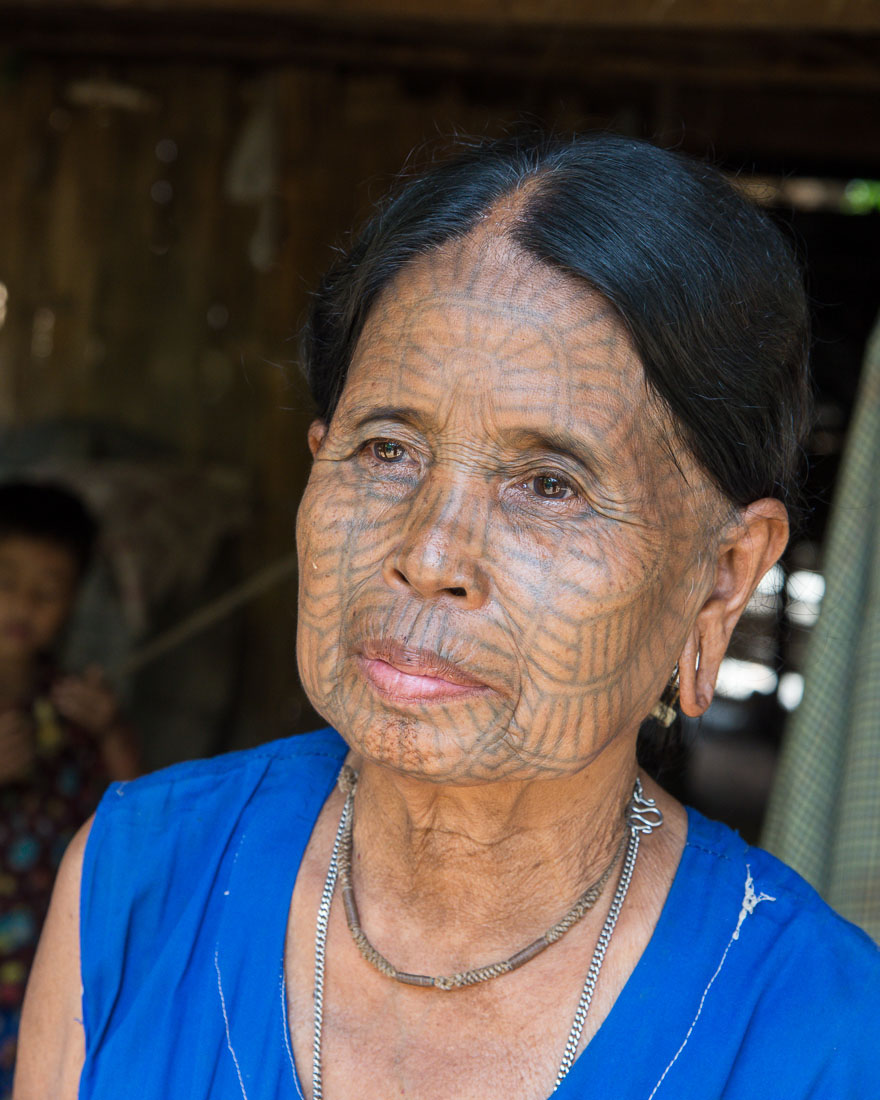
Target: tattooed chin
[[423, 692]]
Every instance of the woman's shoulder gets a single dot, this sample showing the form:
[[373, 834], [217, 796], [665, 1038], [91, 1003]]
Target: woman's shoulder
[[751, 984], [787, 902], [190, 786], [760, 979], [174, 823], [319, 744], [784, 947], [173, 856]]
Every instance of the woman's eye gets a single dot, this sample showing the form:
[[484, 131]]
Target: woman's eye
[[387, 450], [545, 485]]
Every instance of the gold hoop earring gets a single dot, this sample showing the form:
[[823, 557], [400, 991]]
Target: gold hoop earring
[[664, 710]]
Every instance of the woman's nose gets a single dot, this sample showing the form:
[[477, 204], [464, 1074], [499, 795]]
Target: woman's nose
[[440, 551]]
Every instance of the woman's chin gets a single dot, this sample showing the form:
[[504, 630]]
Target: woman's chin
[[463, 753], [438, 732], [419, 750]]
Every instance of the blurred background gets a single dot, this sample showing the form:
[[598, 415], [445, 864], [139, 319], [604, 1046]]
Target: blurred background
[[175, 174]]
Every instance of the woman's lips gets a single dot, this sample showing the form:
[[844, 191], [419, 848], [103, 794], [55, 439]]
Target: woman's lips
[[415, 675]]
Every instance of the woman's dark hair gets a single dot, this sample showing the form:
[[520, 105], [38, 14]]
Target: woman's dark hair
[[37, 510], [706, 285]]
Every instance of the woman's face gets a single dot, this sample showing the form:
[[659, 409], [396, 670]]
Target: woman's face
[[499, 558]]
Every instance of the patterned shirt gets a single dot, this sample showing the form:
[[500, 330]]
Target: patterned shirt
[[39, 814]]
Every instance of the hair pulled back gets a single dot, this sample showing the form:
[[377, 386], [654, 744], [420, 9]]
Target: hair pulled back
[[704, 282]]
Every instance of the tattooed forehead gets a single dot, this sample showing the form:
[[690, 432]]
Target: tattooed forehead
[[519, 354], [545, 310]]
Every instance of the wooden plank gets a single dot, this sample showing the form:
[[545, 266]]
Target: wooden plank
[[829, 15], [580, 56]]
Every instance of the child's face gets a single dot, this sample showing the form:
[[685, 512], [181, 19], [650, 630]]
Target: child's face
[[37, 585]]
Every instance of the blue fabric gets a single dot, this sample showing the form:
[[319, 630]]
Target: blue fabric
[[187, 881]]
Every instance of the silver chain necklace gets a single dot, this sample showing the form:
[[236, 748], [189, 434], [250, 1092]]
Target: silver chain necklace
[[642, 816]]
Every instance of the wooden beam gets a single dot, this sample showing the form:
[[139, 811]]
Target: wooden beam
[[585, 57], [834, 16]]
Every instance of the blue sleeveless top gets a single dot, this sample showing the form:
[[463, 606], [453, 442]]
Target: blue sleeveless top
[[750, 986]]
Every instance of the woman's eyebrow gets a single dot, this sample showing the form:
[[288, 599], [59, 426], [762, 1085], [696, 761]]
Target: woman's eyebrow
[[594, 458], [357, 418], [587, 453]]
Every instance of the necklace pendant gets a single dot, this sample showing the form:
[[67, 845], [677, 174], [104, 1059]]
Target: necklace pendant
[[643, 815]]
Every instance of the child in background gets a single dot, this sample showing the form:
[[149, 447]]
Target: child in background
[[62, 738]]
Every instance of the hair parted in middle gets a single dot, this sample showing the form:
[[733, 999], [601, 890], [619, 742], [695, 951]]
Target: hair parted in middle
[[705, 284]]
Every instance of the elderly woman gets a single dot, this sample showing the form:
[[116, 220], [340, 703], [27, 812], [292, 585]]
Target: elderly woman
[[561, 389]]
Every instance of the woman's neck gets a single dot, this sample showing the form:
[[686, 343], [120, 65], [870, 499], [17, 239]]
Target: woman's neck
[[481, 868]]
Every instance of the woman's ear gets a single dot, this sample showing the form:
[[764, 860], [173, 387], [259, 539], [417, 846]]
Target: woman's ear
[[744, 556], [316, 434]]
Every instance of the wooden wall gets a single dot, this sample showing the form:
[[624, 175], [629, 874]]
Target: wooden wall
[[157, 268], [164, 211]]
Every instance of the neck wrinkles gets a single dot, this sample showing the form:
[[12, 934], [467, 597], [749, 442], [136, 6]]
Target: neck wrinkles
[[459, 872]]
